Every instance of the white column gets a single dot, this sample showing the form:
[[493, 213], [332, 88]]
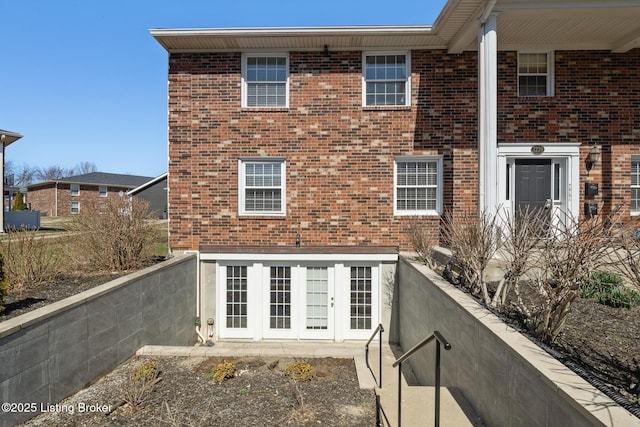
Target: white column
[[488, 115]]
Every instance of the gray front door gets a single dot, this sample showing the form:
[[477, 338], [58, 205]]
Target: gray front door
[[533, 186]]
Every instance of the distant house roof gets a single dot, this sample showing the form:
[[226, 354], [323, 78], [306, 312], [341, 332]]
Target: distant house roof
[[102, 178], [147, 184], [7, 137]]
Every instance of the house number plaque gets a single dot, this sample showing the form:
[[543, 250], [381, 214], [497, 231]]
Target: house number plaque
[[537, 149]]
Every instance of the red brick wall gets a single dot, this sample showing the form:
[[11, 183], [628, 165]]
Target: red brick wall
[[43, 198], [340, 155], [596, 101]]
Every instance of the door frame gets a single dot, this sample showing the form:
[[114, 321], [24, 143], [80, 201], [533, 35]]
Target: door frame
[[258, 266], [565, 155]]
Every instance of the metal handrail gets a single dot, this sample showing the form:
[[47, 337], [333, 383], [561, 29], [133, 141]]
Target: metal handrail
[[407, 355], [379, 330]]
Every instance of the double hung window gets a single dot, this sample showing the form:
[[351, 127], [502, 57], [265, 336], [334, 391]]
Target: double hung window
[[262, 186], [635, 185], [265, 80], [386, 79], [535, 74], [418, 188]]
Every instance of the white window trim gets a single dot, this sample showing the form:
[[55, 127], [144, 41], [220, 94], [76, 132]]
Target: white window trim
[[550, 73], [634, 158], [71, 207], [106, 191], [419, 158], [244, 81], [241, 185], [407, 97], [71, 189]]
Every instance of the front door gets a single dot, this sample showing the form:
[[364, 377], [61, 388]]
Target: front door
[[533, 187]]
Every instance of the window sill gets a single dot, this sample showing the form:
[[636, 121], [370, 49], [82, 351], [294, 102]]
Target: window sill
[[415, 213], [265, 109], [386, 108], [260, 217]]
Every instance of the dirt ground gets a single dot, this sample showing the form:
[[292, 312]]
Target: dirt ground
[[38, 296], [260, 394], [605, 342]]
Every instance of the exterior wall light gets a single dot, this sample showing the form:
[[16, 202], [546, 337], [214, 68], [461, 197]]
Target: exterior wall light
[[594, 156]]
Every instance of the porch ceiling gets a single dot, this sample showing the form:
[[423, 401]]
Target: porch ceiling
[[557, 25]]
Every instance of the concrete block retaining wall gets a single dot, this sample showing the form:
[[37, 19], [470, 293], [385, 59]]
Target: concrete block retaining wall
[[507, 379], [52, 352]]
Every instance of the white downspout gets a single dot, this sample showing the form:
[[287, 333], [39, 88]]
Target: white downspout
[[198, 319]]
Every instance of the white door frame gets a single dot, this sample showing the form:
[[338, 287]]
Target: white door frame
[[565, 155], [258, 282]]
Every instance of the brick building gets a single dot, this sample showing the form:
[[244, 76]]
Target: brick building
[[66, 196], [298, 156]]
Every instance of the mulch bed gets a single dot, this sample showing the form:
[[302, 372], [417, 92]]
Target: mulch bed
[[260, 394]]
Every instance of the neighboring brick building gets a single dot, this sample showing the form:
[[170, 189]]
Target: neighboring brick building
[[298, 156], [66, 196]]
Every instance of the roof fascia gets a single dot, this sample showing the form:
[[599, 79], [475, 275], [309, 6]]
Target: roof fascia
[[7, 138], [470, 29], [505, 5], [162, 35], [627, 43], [148, 184]]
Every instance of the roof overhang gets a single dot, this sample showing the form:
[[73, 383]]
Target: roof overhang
[[7, 138], [521, 25], [553, 25], [297, 38]]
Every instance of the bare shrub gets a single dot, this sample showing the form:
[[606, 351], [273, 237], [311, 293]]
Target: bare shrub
[[3, 286], [474, 239], [137, 389], [521, 236], [29, 258], [546, 260], [423, 241], [625, 255], [113, 234], [564, 259]]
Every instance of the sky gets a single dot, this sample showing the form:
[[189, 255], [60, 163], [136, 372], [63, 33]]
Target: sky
[[84, 81]]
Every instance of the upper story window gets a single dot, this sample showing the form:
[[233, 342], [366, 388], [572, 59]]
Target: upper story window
[[535, 74], [102, 191], [635, 185], [386, 78], [75, 189], [265, 80], [418, 185], [262, 186]]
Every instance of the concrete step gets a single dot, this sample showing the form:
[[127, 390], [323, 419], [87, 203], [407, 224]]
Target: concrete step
[[418, 402]]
